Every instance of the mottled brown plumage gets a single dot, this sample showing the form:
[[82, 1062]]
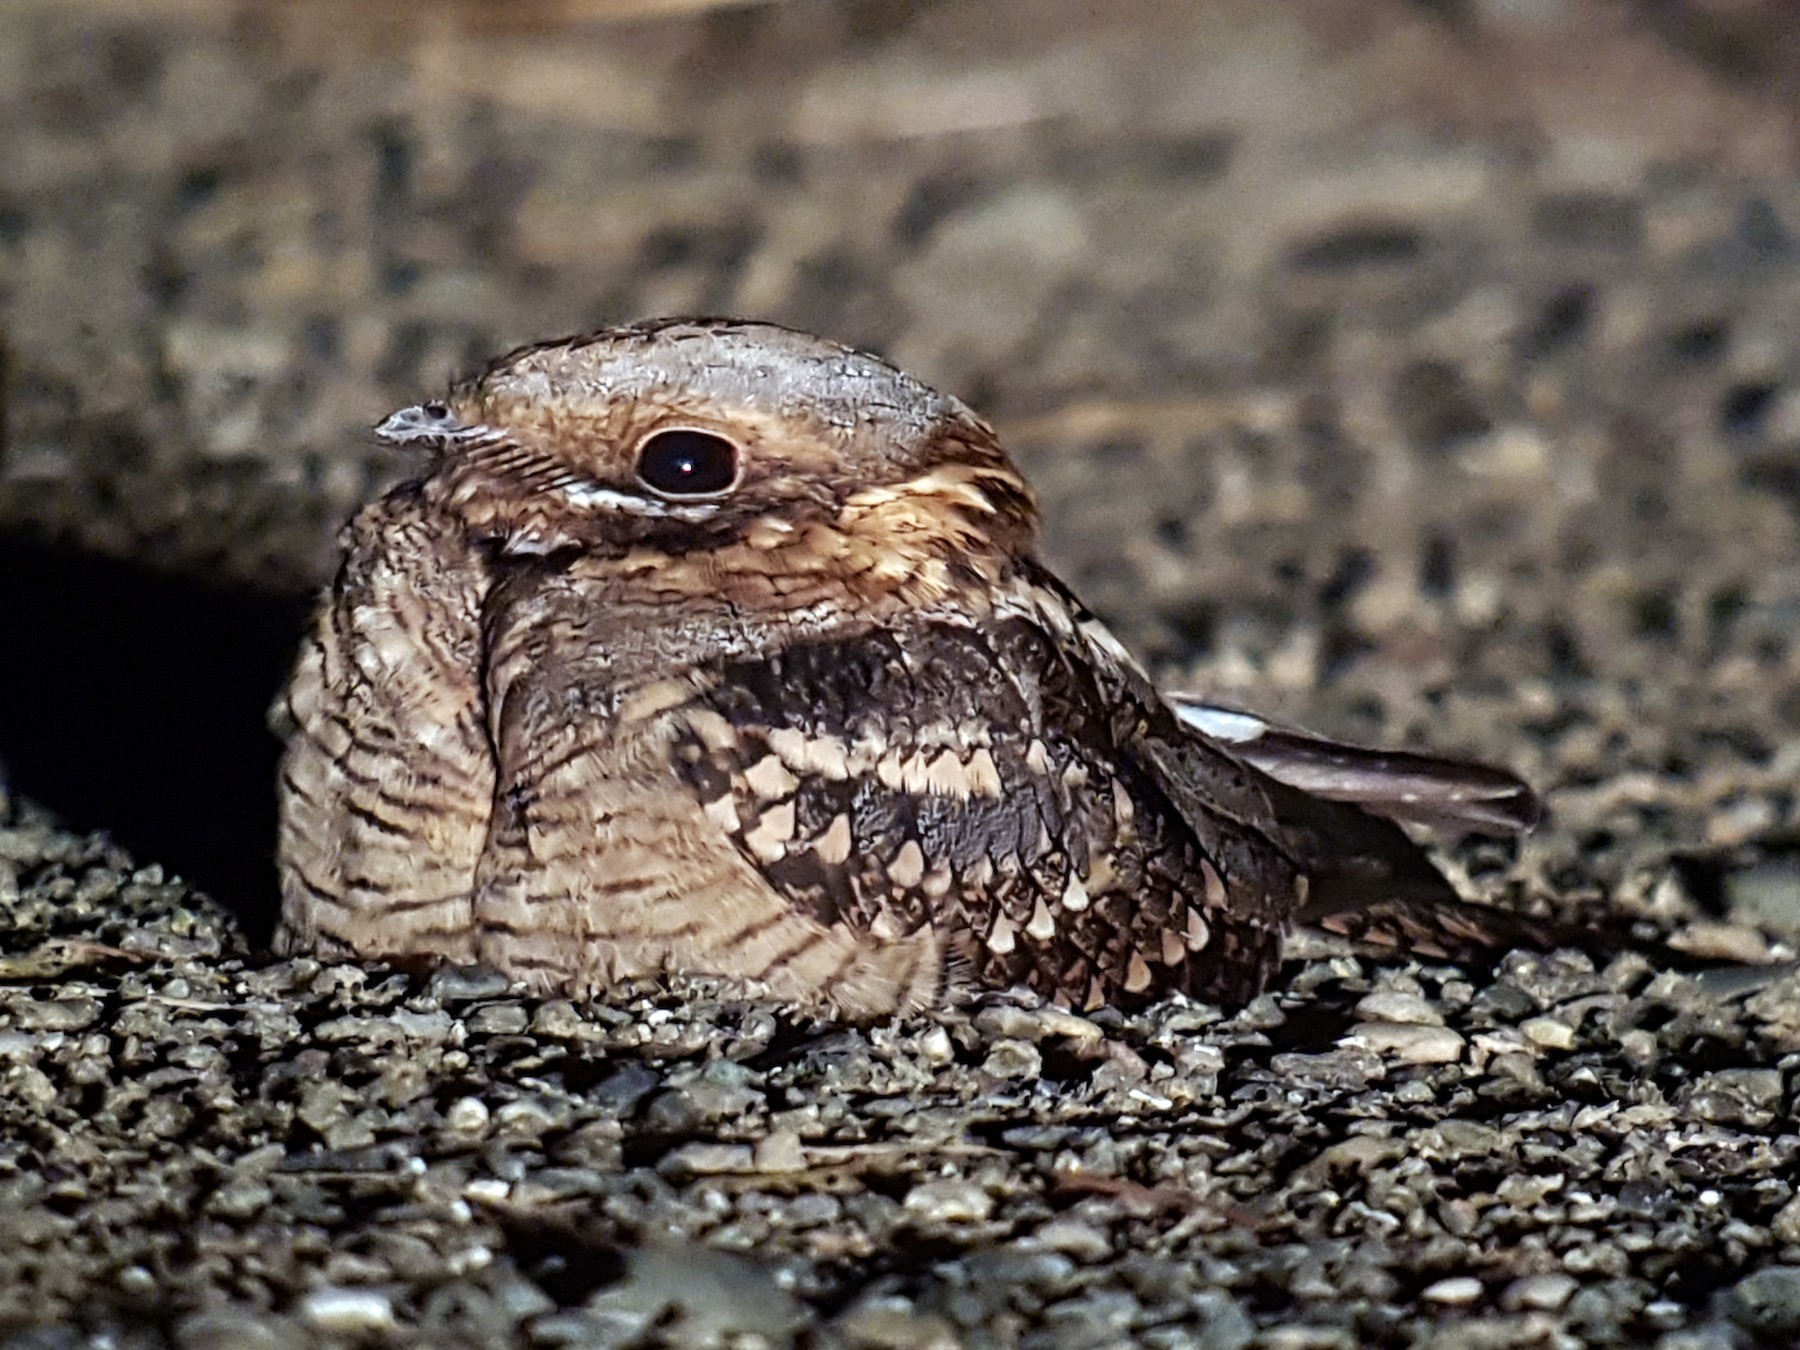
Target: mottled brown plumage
[[713, 647]]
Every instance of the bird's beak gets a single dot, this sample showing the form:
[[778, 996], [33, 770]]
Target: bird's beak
[[427, 426]]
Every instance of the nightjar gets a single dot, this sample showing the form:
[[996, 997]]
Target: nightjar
[[712, 647]]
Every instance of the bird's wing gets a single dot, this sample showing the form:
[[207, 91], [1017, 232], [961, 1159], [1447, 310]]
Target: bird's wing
[[1351, 859], [1450, 795], [998, 780]]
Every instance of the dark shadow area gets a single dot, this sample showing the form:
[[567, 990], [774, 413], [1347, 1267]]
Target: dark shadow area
[[134, 702]]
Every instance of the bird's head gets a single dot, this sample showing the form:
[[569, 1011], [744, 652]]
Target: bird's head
[[713, 454]]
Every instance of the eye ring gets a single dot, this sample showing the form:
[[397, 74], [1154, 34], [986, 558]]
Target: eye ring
[[685, 463]]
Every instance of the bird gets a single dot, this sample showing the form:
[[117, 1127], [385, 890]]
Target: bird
[[710, 647]]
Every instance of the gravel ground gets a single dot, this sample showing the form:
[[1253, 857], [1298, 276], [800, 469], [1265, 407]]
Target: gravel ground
[[1424, 373]]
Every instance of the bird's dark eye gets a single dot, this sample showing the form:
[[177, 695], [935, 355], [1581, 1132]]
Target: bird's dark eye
[[686, 463], [436, 411]]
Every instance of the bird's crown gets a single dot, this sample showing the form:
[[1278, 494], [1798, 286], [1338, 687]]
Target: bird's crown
[[713, 436]]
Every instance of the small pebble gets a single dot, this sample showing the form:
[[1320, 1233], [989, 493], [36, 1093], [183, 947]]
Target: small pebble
[[466, 1115], [1083, 1241], [61, 1014], [1722, 942], [1457, 1291], [346, 1312], [949, 1200], [1013, 1059], [707, 1159], [497, 1019], [780, 1152], [1388, 1005], [463, 984], [891, 1323], [1548, 1033], [1542, 1293], [1406, 1042], [1767, 1301], [488, 1190], [935, 1047]]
